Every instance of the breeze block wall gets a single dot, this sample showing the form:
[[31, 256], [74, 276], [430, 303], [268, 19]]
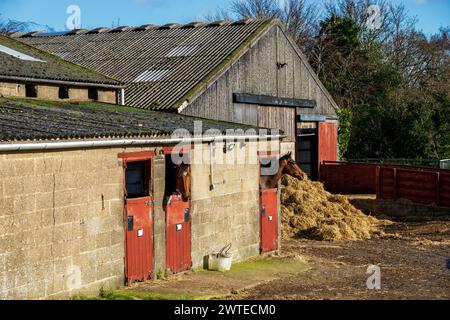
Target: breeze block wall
[[10, 89], [107, 96], [51, 92], [62, 217], [230, 212], [61, 224]]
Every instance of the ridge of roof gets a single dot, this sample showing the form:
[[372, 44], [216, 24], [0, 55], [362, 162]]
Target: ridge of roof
[[193, 24]]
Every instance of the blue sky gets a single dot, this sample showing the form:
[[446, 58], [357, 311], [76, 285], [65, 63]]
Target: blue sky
[[432, 14]]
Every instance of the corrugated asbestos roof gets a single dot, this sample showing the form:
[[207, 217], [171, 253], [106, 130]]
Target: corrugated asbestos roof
[[18, 60], [159, 65], [31, 120]]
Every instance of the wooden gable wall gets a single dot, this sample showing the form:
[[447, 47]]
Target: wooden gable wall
[[256, 72]]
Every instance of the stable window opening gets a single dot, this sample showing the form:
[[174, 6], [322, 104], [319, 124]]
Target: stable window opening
[[63, 92], [30, 91], [93, 94], [137, 178]]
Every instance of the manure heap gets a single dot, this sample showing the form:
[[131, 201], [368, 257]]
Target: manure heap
[[309, 211]]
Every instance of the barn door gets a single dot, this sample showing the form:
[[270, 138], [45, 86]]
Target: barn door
[[328, 142], [139, 220], [178, 221], [268, 207]]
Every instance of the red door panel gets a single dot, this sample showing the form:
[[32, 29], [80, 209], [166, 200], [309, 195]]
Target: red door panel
[[178, 235], [328, 142], [269, 220], [139, 239]]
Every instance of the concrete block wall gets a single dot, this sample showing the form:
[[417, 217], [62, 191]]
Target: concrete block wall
[[51, 92], [47, 92], [12, 89], [107, 96], [230, 212], [62, 217], [78, 94], [61, 224], [159, 214]]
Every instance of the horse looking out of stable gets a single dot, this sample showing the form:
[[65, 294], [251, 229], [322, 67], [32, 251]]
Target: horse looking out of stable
[[183, 181], [286, 165]]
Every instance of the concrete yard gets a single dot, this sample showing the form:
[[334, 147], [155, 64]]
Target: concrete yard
[[202, 285]]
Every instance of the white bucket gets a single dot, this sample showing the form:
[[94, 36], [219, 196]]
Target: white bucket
[[220, 261]]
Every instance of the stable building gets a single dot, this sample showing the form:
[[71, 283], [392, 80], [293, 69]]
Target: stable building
[[248, 72], [87, 196], [27, 72]]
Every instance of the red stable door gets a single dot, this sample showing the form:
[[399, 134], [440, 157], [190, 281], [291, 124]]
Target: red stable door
[[268, 203], [269, 220], [178, 217], [139, 217], [178, 235]]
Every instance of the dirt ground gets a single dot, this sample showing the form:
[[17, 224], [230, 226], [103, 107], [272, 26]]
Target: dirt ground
[[414, 259]]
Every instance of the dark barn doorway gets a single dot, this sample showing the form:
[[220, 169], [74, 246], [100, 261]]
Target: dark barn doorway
[[307, 146]]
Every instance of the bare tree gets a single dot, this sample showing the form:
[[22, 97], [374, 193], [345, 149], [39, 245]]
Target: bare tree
[[8, 26], [220, 14], [257, 8], [300, 17]]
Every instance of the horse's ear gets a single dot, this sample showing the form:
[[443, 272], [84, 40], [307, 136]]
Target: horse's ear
[[289, 154]]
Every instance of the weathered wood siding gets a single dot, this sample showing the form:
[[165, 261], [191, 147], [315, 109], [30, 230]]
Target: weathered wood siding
[[276, 117], [256, 72]]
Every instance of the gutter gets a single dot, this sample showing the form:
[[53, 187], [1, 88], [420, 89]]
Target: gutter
[[44, 146], [61, 82]]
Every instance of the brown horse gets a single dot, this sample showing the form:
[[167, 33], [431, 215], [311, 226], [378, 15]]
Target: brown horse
[[183, 181], [288, 166]]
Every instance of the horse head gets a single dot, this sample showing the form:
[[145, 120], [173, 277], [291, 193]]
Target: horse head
[[290, 167], [183, 181]]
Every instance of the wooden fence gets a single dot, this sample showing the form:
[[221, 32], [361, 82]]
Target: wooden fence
[[417, 185], [421, 185], [349, 178]]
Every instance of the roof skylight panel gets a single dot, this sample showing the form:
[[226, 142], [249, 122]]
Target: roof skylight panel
[[182, 51], [152, 75]]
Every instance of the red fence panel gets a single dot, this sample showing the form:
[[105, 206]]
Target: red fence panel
[[348, 178], [419, 184], [429, 187], [444, 187]]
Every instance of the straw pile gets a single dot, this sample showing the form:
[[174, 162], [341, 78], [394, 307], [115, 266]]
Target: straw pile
[[308, 211]]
